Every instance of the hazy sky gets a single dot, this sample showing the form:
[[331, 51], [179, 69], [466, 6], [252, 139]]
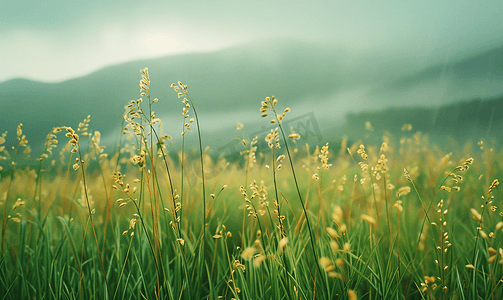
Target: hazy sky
[[53, 40]]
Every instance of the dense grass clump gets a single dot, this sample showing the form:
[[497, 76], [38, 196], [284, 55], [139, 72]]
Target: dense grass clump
[[399, 220]]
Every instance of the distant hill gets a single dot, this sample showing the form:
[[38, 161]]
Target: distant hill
[[220, 81], [463, 121], [479, 76], [231, 82]]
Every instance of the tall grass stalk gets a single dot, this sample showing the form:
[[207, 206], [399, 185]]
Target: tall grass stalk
[[271, 104], [75, 138], [181, 90], [22, 143], [145, 247]]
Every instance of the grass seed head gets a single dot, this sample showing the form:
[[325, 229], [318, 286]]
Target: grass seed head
[[248, 253], [362, 152], [257, 260], [369, 219], [282, 244], [332, 232], [325, 262], [404, 190], [339, 262], [476, 216], [334, 246]]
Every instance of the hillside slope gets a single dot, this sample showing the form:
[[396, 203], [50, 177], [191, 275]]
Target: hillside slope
[[230, 82]]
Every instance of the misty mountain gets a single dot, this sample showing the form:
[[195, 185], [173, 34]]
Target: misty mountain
[[228, 85], [479, 76], [462, 121], [221, 81]]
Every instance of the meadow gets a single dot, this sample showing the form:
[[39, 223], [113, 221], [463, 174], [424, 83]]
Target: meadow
[[398, 219]]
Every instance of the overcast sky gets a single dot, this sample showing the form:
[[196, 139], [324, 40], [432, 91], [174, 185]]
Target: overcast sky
[[53, 40]]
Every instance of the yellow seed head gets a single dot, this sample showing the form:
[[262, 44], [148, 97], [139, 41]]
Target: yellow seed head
[[352, 295], [257, 261], [334, 245], [491, 259], [339, 262], [336, 275], [325, 262], [332, 232], [404, 190], [369, 219], [282, 244], [476, 215], [248, 253]]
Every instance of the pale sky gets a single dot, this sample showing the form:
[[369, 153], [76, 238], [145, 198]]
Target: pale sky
[[54, 40]]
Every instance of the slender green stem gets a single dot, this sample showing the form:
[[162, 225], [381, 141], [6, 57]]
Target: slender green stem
[[203, 243], [201, 158], [91, 214], [4, 219], [312, 240]]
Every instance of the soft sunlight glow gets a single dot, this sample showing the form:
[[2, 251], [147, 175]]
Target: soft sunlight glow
[[55, 40], [50, 58]]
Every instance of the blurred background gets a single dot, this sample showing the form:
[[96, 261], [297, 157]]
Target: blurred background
[[337, 64]]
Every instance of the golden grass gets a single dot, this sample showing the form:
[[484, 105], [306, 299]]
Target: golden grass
[[400, 219]]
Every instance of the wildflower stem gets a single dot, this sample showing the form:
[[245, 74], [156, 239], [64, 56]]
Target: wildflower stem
[[4, 219], [91, 213], [278, 206], [203, 263], [312, 240], [202, 160]]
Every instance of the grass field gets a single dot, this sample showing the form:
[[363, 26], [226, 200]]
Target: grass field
[[402, 219]]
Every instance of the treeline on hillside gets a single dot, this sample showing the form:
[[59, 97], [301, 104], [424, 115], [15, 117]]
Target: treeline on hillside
[[463, 121]]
